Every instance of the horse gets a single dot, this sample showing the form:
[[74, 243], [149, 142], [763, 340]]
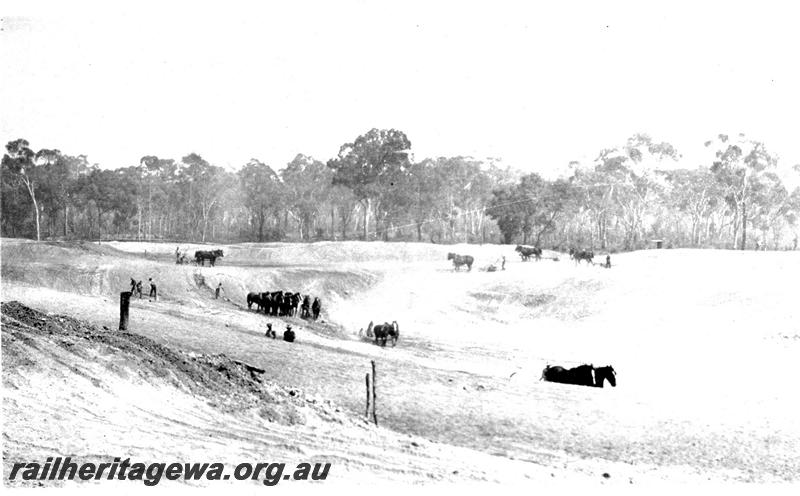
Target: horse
[[459, 260], [579, 255], [582, 375], [525, 252], [266, 302], [316, 307], [286, 305], [603, 373], [201, 256], [254, 298], [295, 303], [385, 331], [275, 300]]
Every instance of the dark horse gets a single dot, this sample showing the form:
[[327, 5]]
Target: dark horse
[[603, 373], [579, 255], [201, 256], [583, 375], [459, 260], [526, 252], [254, 298], [385, 331]]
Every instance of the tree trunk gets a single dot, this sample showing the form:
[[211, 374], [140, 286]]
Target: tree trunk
[[138, 221], [35, 207], [744, 225], [366, 219]]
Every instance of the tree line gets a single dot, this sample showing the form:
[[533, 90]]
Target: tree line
[[624, 199]]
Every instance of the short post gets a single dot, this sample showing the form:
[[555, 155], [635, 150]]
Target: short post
[[374, 394], [124, 304], [366, 377]]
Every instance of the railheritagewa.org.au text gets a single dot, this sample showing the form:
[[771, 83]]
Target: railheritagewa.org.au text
[[63, 468]]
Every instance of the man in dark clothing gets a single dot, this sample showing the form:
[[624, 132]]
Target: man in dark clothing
[[608, 261], [270, 333], [219, 288], [304, 312], [316, 307], [503, 266], [153, 290], [139, 289], [133, 285], [288, 334]]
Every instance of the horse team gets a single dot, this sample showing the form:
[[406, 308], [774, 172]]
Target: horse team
[[200, 256], [285, 304], [526, 253], [384, 332]]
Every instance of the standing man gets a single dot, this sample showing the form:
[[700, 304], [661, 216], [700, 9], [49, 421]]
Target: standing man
[[139, 289], [153, 290], [219, 288], [503, 266], [608, 261]]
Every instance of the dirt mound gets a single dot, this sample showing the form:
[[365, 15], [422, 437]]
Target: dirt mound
[[227, 384]]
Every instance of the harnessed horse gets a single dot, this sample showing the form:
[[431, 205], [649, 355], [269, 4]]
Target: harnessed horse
[[459, 260], [201, 256], [579, 255], [384, 332], [254, 298], [526, 252]]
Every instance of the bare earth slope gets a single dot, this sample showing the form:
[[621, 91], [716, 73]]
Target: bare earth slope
[[129, 396], [704, 343]]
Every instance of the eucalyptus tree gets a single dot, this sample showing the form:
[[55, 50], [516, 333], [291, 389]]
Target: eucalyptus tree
[[369, 165], [739, 167], [20, 163], [263, 195]]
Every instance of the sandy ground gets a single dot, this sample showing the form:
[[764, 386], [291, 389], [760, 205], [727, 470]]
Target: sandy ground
[[704, 343]]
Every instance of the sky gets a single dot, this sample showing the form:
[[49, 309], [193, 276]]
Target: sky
[[536, 84]]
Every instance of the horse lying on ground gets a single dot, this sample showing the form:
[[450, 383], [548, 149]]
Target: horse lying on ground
[[384, 332], [603, 373], [583, 375], [526, 252], [201, 256], [459, 260]]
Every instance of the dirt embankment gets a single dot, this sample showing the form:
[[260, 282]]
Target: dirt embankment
[[90, 393], [226, 384]]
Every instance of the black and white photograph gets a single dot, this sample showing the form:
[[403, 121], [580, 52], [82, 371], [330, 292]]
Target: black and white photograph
[[368, 246]]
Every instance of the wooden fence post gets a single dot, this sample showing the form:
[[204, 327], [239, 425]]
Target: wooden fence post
[[366, 413], [374, 394], [124, 304]]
